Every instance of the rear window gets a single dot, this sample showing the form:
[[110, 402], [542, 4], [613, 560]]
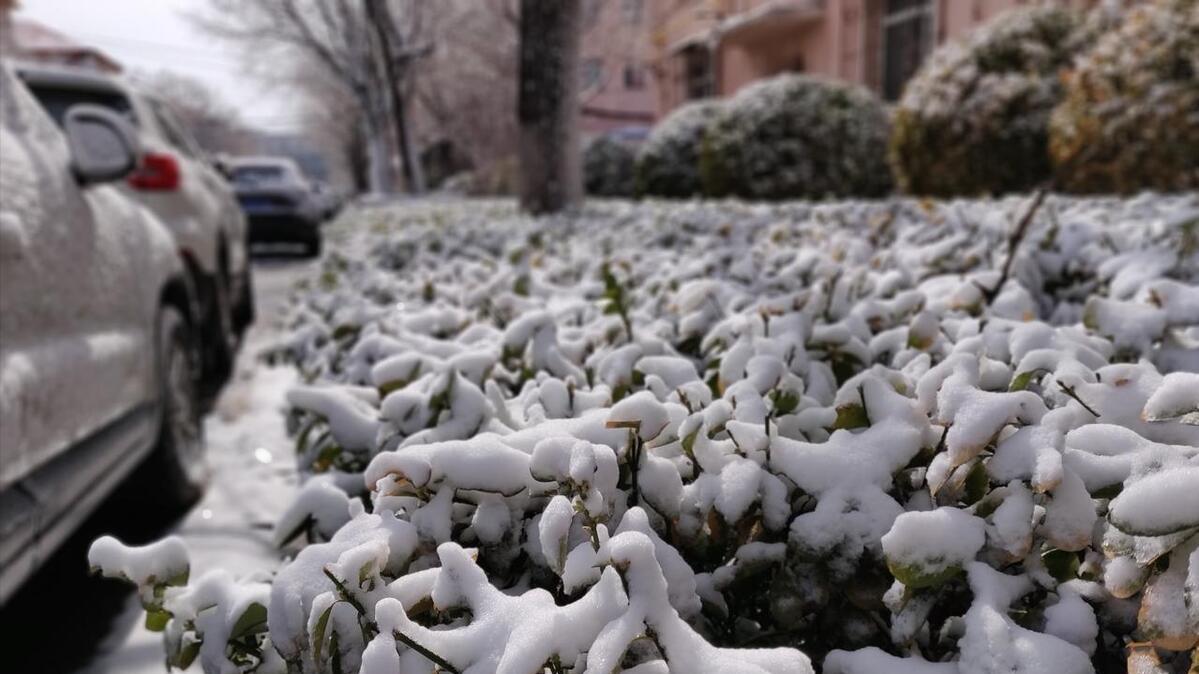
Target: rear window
[[58, 100], [256, 175]]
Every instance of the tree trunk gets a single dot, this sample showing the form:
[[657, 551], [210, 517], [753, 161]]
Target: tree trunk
[[394, 66], [380, 150], [551, 175]]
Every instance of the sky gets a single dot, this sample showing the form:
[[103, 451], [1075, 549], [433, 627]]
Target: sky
[[157, 35]]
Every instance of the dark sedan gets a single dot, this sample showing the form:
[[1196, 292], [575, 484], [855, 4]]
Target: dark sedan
[[278, 201]]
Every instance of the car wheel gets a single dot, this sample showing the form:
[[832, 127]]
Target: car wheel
[[222, 337], [313, 247], [175, 473], [244, 312]]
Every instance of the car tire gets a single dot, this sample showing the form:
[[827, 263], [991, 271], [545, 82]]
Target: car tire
[[223, 338], [175, 473], [312, 248], [244, 311]]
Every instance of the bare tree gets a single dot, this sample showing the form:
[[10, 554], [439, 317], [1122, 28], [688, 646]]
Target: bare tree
[[213, 122], [465, 92], [395, 58], [547, 108], [340, 38]]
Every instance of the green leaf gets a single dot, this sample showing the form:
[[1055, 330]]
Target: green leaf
[[294, 533], [1060, 564], [366, 573], [1022, 380], [318, 632], [917, 576], [187, 653], [785, 402], [156, 621], [851, 416], [346, 331], [251, 621], [977, 484]]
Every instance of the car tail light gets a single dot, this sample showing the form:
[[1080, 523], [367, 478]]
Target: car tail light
[[157, 172]]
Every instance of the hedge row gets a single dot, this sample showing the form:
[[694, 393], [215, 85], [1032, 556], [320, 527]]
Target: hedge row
[[1095, 103]]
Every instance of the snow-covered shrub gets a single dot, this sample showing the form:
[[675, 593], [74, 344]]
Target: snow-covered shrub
[[729, 437], [608, 167], [975, 117], [1130, 117], [668, 161], [798, 136]]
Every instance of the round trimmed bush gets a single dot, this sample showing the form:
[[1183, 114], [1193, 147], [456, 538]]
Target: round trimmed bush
[[608, 168], [798, 136], [668, 162], [975, 118], [1130, 117]]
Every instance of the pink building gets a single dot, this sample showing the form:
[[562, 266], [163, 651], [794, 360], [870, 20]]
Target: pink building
[[618, 88], [715, 47]]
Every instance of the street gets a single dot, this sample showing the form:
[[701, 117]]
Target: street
[[252, 480]]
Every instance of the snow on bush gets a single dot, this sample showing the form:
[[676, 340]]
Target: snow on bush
[[798, 136], [608, 168], [668, 161], [1129, 112], [975, 117], [727, 438]]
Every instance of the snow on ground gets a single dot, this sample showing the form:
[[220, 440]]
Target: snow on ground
[[253, 479], [724, 437]]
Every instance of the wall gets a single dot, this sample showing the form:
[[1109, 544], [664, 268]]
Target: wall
[[617, 36], [840, 39]]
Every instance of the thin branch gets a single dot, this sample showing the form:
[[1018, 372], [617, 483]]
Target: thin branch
[[1069, 390], [1014, 241], [429, 655]]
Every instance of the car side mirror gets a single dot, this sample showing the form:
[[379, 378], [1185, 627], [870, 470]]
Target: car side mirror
[[103, 145]]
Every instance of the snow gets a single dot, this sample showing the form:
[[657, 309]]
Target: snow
[[810, 406], [874, 660], [923, 547], [159, 562], [1158, 504]]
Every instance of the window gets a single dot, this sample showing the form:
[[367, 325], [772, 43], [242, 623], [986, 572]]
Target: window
[[591, 13], [591, 71], [634, 77], [175, 133], [697, 64], [58, 99], [632, 10], [907, 40]]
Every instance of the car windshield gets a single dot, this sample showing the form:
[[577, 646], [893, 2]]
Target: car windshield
[[58, 100], [259, 174]]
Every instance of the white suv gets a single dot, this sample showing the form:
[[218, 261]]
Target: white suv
[[97, 349], [178, 182]]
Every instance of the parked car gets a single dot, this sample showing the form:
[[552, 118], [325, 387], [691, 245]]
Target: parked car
[[278, 200], [183, 187], [98, 337]]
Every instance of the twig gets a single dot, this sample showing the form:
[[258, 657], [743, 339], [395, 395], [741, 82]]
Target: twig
[[1069, 390], [429, 655], [1014, 241]]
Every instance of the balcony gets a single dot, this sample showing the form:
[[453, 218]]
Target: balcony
[[759, 17]]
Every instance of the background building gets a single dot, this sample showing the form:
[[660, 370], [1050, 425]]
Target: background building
[[617, 92], [32, 41], [714, 47]]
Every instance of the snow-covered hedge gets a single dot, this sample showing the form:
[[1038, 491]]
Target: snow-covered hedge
[[668, 161], [1131, 108], [975, 117], [797, 136], [608, 168], [704, 438]]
